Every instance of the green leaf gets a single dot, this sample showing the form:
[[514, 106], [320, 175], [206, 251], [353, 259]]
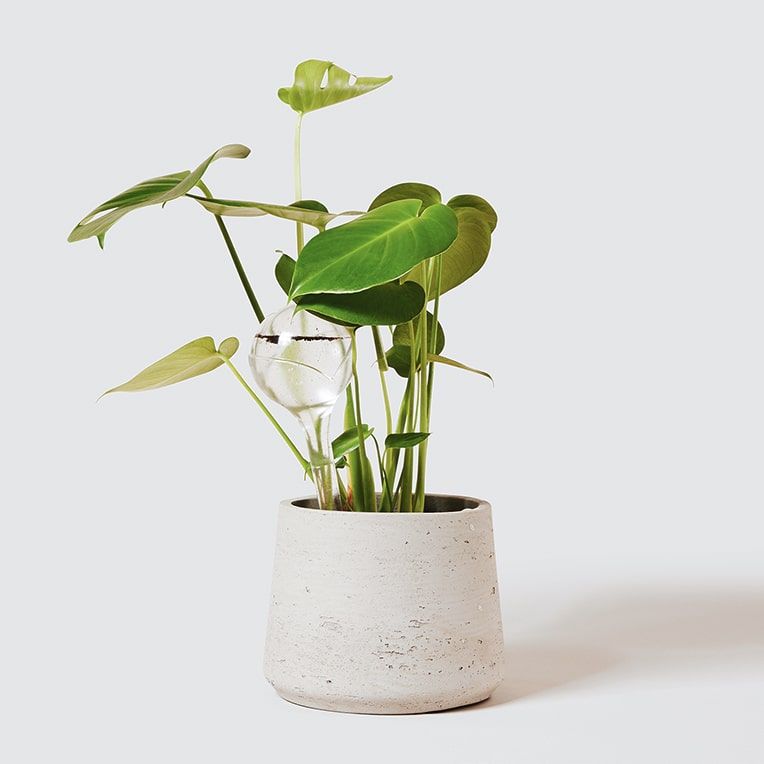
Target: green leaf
[[310, 204], [399, 359], [383, 305], [154, 191], [284, 271], [402, 335], [477, 203], [466, 256], [348, 441], [426, 194], [379, 247], [229, 347], [468, 252], [195, 358], [318, 217], [399, 355], [318, 84], [456, 364], [405, 439]]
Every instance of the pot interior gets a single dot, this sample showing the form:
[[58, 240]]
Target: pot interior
[[432, 503]]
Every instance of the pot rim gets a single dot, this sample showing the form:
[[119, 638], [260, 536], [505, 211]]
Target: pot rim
[[473, 505]]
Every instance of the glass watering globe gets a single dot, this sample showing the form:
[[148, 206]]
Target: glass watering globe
[[304, 363]]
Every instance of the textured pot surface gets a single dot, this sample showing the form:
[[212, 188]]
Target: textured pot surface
[[385, 613]]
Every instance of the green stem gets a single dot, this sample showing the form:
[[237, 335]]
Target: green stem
[[366, 479], [392, 455], [304, 463], [423, 405], [422, 470], [383, 474], [407, 473], [382, 368], [235, 257], [298, 179]]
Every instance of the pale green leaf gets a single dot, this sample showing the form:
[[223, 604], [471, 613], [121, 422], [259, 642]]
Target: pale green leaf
[[228, 347], [191, 360], [319, 218], [379, 247], [154, 191], [318, 84], [450, 362]]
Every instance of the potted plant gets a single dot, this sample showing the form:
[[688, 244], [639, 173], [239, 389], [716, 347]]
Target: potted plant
[[385, 597]]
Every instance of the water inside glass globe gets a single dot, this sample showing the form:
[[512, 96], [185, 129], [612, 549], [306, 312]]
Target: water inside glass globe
[[304, 363]]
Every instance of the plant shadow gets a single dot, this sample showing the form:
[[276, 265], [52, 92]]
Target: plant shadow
[[618, 634]]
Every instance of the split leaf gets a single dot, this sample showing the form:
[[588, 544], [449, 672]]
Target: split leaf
[[154, 191], [318, 84]]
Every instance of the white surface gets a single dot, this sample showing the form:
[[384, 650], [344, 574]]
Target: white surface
[[620, 314], [385, 613]]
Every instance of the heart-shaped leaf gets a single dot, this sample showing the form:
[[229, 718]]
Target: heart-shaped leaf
[[191, 360], [379, 247], [468, 252], [405, 439], [317, 217], [318, 84], [348, 441], [384, 305], [154, 191]]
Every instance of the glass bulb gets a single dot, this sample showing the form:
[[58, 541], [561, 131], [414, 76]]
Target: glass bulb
[[304, 363]]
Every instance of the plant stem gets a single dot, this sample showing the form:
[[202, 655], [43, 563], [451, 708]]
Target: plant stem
[[235, 257], [298, 179], [407, 473], [383, 475], [354, 457], [304, 463], [392, 454], [370, 500], [423, 404], [240, 270], [382, 367]]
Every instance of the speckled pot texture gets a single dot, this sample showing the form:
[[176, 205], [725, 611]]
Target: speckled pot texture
[[383, 613]]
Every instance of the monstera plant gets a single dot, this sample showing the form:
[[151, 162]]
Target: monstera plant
[[381, 273]]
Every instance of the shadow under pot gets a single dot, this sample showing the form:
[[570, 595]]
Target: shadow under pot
[[385, 613]]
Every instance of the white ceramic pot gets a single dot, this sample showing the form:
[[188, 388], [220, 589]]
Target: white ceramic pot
[[385, 613]]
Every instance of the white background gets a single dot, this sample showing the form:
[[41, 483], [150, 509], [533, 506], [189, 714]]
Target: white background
[[620, 313]]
